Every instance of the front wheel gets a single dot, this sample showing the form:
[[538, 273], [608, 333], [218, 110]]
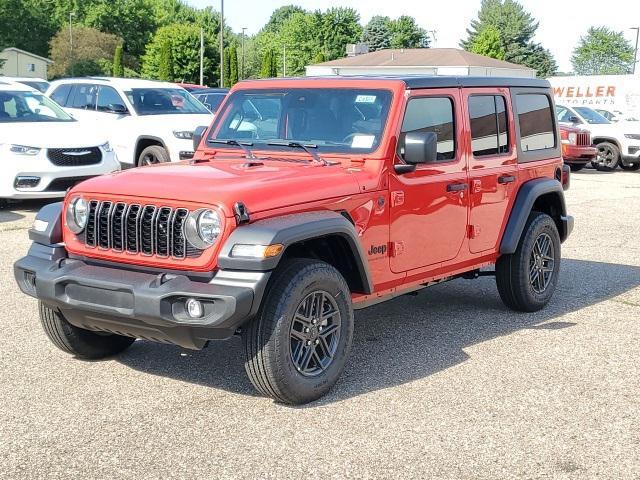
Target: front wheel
[[608, 157], [78, 341], [153, 155], [527, 278], [297, 346]]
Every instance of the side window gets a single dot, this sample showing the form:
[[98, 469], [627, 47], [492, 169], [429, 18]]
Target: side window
[[431, 114], [61, 94], [489, 134], [108, 96], [535, 118], [84, 96]]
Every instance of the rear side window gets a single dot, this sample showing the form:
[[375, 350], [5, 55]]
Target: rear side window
[[489, 134], [84, 97], [61, 94], [535, 117], [431, 114], [108, 96]]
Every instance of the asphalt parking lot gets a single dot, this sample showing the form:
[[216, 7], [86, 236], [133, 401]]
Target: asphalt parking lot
[[446, 384]]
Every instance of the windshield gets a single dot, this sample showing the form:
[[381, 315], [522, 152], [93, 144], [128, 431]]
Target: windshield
[[211, 100], [40, 86], [336, 120], [591, 116], [17, 106], [163, 101]]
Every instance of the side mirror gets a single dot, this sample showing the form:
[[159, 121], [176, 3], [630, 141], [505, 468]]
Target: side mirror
[[117, 108], [197, 136], [574, 119], [420, 147]]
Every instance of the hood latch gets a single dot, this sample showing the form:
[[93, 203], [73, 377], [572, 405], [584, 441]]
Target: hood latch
[[241, 213]]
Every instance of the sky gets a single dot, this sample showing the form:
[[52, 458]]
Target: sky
[[562, 22]]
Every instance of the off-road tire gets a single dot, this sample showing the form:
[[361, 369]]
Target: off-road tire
[[576, 167], [152, 155], [77, 341], [630, 167], [513, 272], [607, 148], [267, 338]]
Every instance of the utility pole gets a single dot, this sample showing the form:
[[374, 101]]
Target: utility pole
[[201, 56], [242, 68], [71, 15], [635, 52], [221, 43], [284, 60]]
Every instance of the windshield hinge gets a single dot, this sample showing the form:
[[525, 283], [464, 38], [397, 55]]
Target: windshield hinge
[[241, 213]]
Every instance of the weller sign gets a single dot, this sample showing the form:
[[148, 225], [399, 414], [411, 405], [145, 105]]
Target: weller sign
[[616, 93]]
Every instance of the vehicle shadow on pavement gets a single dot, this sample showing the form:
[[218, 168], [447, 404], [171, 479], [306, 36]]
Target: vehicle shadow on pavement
[[408, 338], [10, 212]]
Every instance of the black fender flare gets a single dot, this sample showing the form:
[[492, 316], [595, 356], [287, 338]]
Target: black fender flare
[[527, 195], [288, 230], [146, 137], [47, 227]]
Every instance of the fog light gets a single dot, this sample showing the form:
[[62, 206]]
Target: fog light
[[194, 308]]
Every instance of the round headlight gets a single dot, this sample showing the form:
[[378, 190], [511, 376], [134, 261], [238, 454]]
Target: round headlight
[[77, 214], [203, 227]]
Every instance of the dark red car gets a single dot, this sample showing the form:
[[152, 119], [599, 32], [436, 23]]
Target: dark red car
[[577, 150]]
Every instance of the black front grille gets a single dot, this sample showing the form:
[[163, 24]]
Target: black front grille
[[74, 157], [144, 229]]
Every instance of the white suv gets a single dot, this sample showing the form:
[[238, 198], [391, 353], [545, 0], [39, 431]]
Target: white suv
[[146, 121], [43, 151], [618, 143]]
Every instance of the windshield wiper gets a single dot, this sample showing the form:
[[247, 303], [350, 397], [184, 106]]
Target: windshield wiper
[[304, 146], [243, 145]]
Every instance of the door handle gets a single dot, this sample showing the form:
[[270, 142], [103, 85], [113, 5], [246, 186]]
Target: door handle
[[457, 187], [506, 179]]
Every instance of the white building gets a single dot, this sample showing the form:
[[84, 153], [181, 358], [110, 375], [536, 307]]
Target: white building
[[420, 61], [20, 63]]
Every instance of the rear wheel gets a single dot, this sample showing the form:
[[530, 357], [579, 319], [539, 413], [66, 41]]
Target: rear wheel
[[527, 278], [297, 346], [152, 155], [608, 157], [631, 167], [78, 341]]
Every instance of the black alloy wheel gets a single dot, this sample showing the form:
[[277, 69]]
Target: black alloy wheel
[[315, 333], [541, 263], [608, 157]]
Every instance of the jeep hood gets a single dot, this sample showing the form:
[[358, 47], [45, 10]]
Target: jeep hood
[[265, 186]]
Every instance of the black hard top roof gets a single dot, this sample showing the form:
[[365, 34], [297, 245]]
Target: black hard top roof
[[443, 82], [210, 90]]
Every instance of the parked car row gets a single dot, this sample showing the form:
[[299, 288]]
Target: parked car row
[[83, 127], [616, 144]]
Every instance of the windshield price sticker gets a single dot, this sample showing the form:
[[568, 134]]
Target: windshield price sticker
[[366, 99], [362, 141]]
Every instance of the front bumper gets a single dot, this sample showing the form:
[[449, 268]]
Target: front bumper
[[138, 304], [579, 154]]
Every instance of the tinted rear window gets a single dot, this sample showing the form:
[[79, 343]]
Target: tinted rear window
[[535, 117]]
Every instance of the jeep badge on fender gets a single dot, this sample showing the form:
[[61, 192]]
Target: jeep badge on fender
[[165, 253]]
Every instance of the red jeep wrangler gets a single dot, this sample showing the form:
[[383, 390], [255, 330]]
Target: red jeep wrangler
[[577, 149], [307, 199]]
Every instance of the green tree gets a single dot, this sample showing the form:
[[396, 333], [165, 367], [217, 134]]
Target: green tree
[[233, 65], [405, 33], [93, 52], [269, 67], [184, 44], [118, 66], [488, 43], [339, 26], [602, 52], [165, 66], [281, 15], [377, 33], [23, 25], [516, 28]]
